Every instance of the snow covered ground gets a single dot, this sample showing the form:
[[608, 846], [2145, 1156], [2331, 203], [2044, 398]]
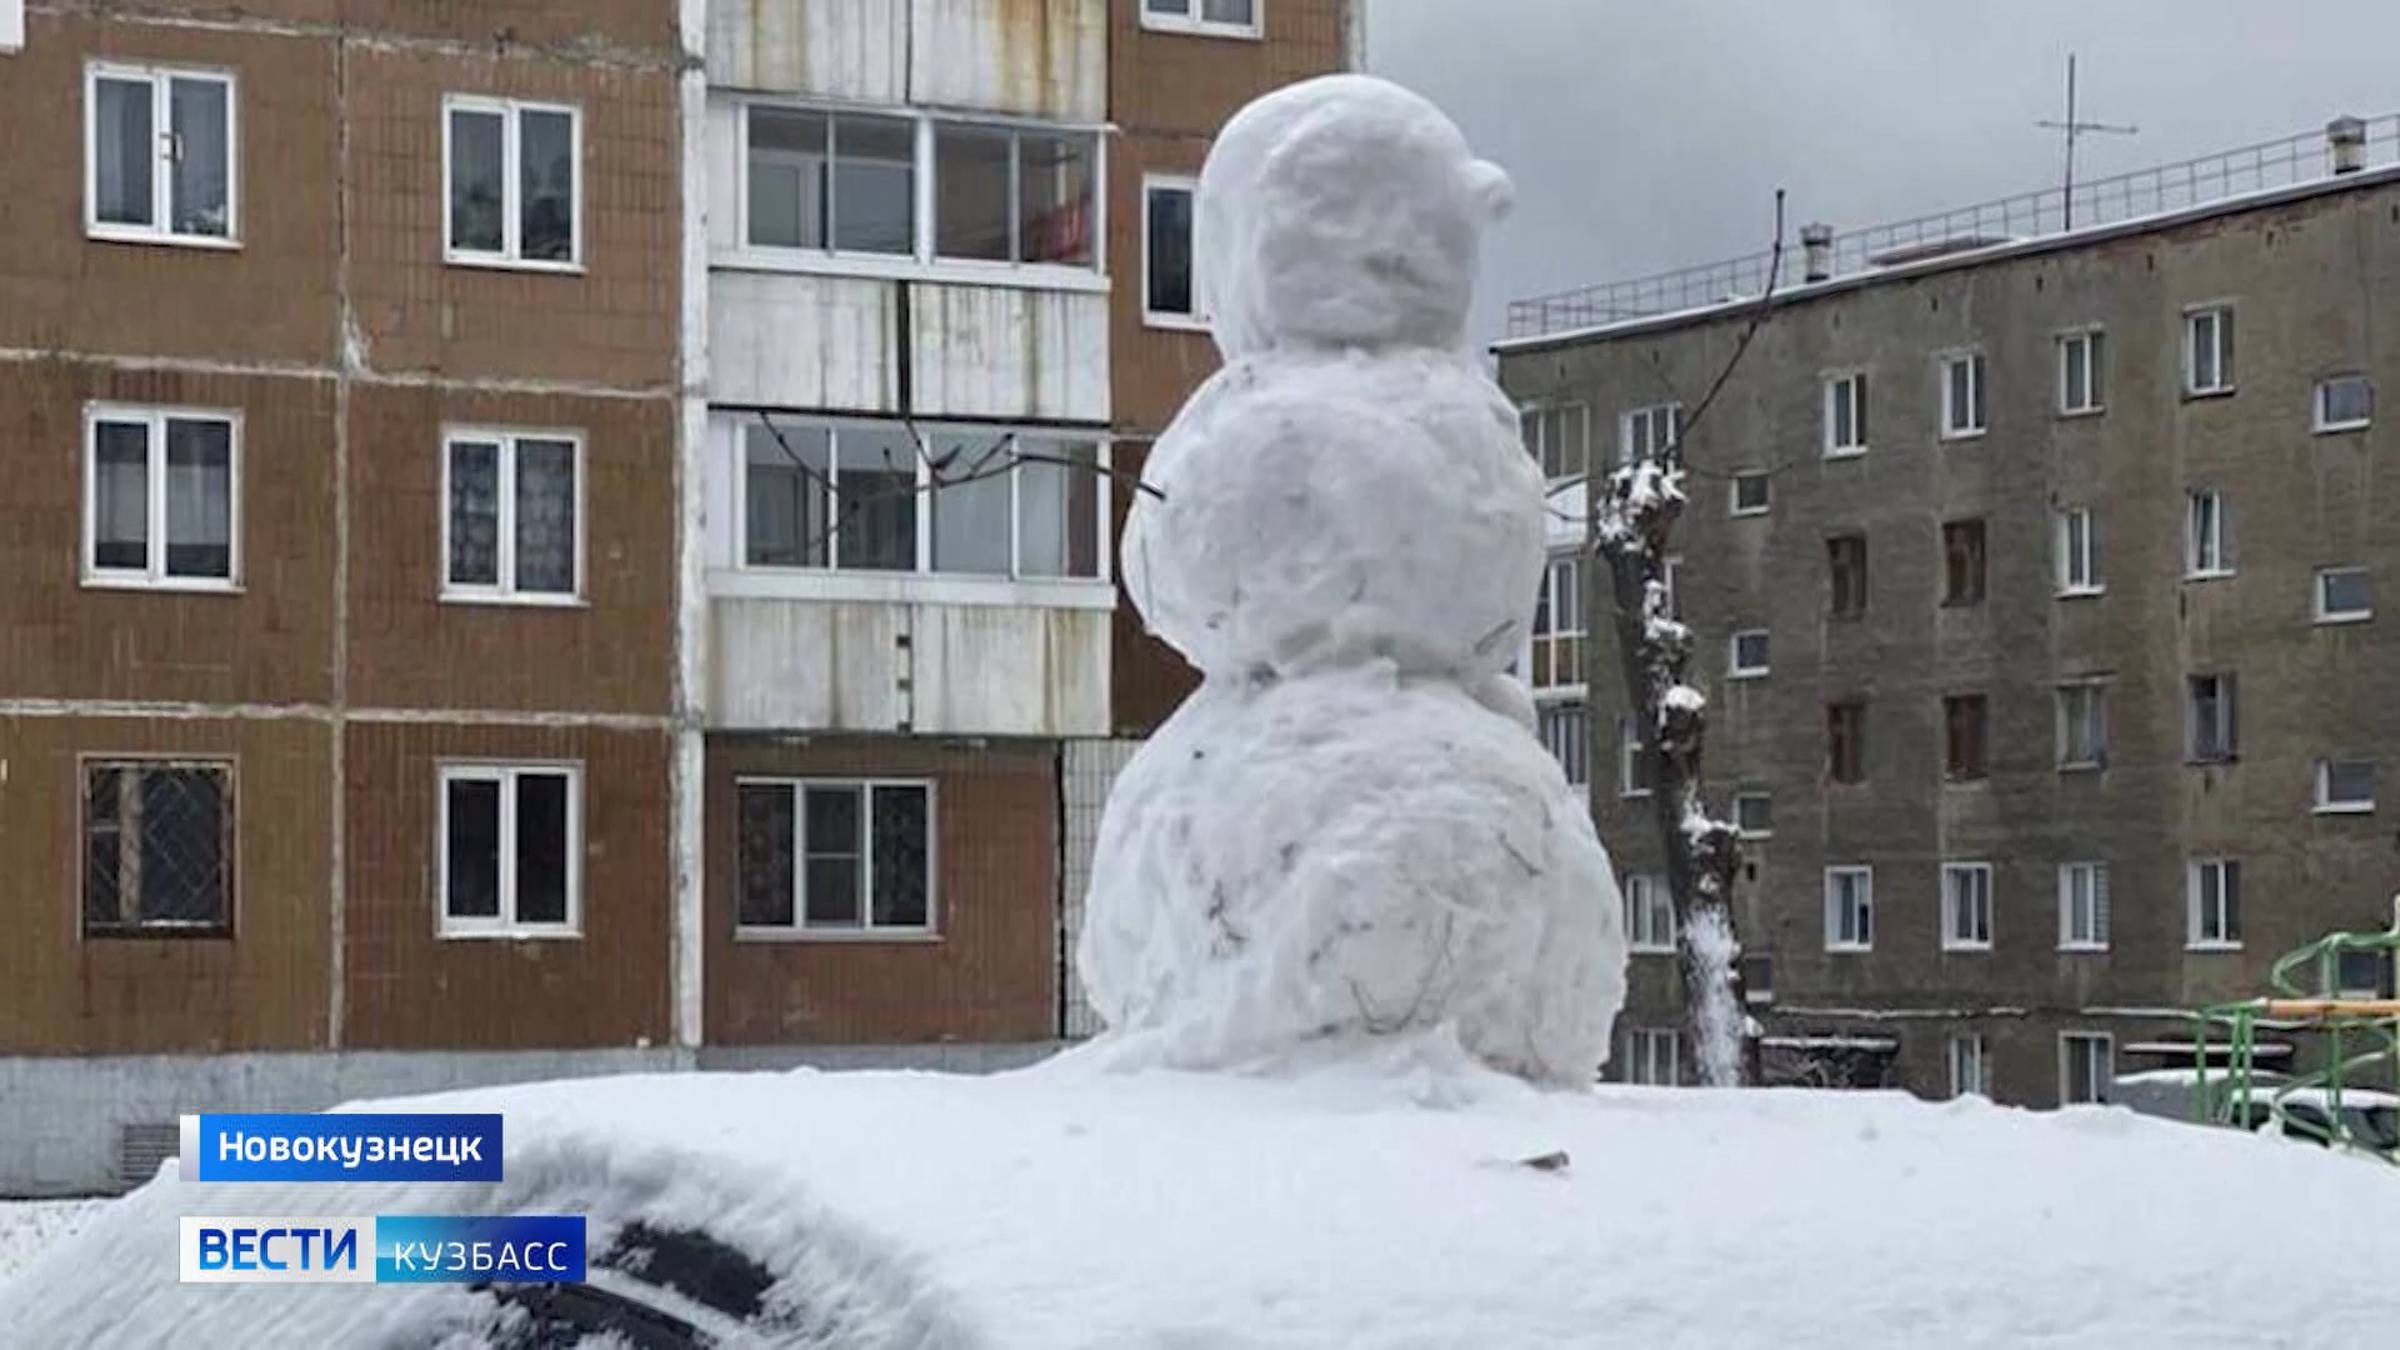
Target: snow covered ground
[[1362, 1205], [30, 1227]]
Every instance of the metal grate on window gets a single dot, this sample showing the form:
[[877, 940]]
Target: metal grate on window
[[142, 1147], [157, 847]]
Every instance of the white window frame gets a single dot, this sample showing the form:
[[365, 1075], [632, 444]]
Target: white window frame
[[1565, 723], [866, 929], [1835, 921], [1647, 901], [1952, 428], [1955, 874], [510, 257], [1734, 669], [1753, 794], [1974, 1063], [2084, 349], [2063, 697], [2216, 314], [2103, 1061], [1566, 634], [2071, 559], [504, 591], [1536, 421], [2321, 399], [1152, 316], [2228, 739], [155, 576], [1630, 749], [1190, 22], [2319, 609], [2206, 552], [2094, 877], [1633, 446], [1845, 391], [2197, 937], [2327, 805], [161, 230], [1643, 1056], [505, 924], [1733, 493]]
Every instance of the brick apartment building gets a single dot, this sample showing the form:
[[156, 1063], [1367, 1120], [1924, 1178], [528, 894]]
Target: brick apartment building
[[2038, 616], [492, 590]]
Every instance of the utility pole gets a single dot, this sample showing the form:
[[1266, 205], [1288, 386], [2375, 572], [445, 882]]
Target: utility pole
[[2073, 128]]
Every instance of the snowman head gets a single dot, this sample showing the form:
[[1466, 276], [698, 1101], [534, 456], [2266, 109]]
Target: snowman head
[[1343, 211]]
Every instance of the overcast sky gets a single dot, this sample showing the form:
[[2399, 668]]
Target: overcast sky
[[1650, 134]]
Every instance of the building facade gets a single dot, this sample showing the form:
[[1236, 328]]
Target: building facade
[[2037, 617]]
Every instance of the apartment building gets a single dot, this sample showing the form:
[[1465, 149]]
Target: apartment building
[[2033, 576]]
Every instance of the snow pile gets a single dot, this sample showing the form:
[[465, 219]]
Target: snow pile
[[30, 1227], [1350, 830], [1382, 1202]]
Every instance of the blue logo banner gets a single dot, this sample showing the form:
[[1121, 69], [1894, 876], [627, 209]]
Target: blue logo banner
[[339, 1146], [504, 1249]]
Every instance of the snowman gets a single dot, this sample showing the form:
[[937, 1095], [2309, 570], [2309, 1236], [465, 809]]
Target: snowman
[[1349, 831]]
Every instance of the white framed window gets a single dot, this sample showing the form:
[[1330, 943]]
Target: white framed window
[[1649, 914], [1846, 415], [850, 857], [2208, 350], [162, 497], [2214, 890], [1751, 493], [513, 183], [1566, 730], [1849, 909], [1962, 395], [510, 844], [2344, 403], [2207, 540], [1636, 773], [2083, 907], [2082, 372], [512, 516], [1653, 1056], [2077, 552], [2345, 786], [1171, 295], [1970, 1067], [1556, 656], [1754, 814], [1213, 18], [161, 155], [2086, 1067], [158, 842], [1645, 433], [1746, 654], [2083, 725], [1966, 907], [2212, 726], [1558, 435], [1670, 578], [2342, 595]]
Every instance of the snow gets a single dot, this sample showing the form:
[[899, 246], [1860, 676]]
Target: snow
[[30, 1227], [1350, 831], [1379, 1203]]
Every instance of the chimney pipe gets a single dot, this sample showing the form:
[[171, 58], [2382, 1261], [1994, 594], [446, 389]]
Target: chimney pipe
[[1816, 252], [2346, 140]]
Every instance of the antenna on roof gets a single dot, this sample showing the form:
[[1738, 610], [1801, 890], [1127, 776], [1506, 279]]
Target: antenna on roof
[[2073, 128]]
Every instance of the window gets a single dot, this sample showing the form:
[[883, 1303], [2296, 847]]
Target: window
[[1846, 415], [2343, 596], [160, 148], [1001, 194], [1170, 262], [872, 497], [1962, 395], [847, 857], [1747, 658], [512, 519], [2345, 786], [2078, 552], [2083, 907], [1566, 730], [2082, 372], [1757, 972], [2359, 973], [1649, 913], [1751, 494], [1647, 432], [2215, 886], [1558, 435], [1653, 1057], [515, 191], [1849, 909], [1846, 742], [2208, 351], [1966, 907], [2083, 725], [1846, 563], [2210, 723], [2086, 1068], [1963, 718], [1557, 655], [158, 846], [1670, 579], [1970, 1067], [2207, 544], [1223, 18], [2344, 403], [1637, 772], [511, 850], [1962, 562], [1754, 815], [162, 498]]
